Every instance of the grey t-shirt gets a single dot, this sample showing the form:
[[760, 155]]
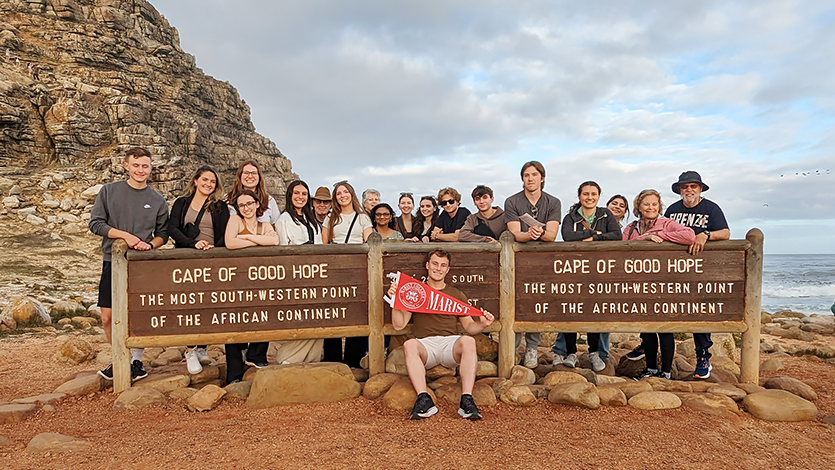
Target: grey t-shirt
[[548, 208], [140, 212]]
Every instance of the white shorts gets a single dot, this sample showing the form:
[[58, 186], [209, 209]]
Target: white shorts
[[439, 351]]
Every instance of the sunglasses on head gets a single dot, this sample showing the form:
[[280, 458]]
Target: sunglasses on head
[[339, 183], [405, 194]]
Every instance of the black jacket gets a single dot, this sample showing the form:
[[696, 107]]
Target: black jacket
[[573, 229], [176, 222]]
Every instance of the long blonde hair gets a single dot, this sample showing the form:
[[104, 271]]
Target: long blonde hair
[[191, 189]]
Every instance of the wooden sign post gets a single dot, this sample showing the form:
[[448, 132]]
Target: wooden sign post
[[184, 296]]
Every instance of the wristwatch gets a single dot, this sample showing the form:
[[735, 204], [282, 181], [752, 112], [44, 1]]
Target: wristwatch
[[708, 234]]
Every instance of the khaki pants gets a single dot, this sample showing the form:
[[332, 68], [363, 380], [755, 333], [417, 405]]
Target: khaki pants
[[300, 350]]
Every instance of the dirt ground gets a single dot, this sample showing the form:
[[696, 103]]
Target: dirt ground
[[363, 434]]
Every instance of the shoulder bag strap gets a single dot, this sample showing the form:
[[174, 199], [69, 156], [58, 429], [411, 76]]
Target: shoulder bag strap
[[348, 236]]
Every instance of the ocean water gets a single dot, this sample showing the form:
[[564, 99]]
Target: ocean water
[[803, 283]]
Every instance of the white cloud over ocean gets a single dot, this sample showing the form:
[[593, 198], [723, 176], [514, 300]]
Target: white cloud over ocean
[[417, 96]]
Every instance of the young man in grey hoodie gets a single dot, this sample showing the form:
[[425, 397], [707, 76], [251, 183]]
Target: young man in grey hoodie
[[488, 223]]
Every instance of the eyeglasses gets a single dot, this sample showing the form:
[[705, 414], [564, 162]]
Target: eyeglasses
[[247, 205], [382, 215], [448, 201], [249, 173]]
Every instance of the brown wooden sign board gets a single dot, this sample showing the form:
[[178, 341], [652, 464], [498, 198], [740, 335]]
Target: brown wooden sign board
[[630, 286], [217, 295], [474, 274]]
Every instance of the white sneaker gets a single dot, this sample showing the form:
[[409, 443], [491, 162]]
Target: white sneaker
[[530, 360], [558, 359], [203, 356], [192, 362], [597, 364], [570, 361]]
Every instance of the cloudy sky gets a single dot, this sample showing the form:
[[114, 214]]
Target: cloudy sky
[[415, 96]]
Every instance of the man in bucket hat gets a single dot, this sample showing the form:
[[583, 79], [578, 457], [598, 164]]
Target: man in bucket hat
[[708, 221]]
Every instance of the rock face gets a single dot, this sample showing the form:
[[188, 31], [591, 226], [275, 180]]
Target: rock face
[[112, 76]]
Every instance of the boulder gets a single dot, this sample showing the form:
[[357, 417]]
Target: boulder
[[138, 397], [698, 386], [7, 323], [90, 193], [518, 395], [450, 393], [401, 396], [166, 382], [84, 322], [686, 348], [611, 395], [609, 379], [770, 365], [66, 309], [486, 369], [184, 393], [655, 401], [436, 384], [57, 443], [658, 384], [521, 375], [712, 404], [575, 394], [627, 368], [74, 350], [719, 374], [396, 362], [560, 377], [302, 383], [540, 391], [167, 357], [486, 348], [724, 363], [378, 385], [728, 390], [679, 386], [27, 311], [630, 389], [791, 385], [483, 395], [750, 388], [438, 372], [45, 399], [16, 412], [238, 390], [81, 385], [207, 398], [498, 384], [779, 405], [208, 374]]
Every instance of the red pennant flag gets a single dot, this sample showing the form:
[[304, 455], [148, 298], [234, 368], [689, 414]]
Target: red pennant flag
[[415, 296]]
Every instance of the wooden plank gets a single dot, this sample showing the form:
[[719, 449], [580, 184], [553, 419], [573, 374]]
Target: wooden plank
[[749, 364], [507, 306], [254, 251], [632, 245], [246, 336], [634, 327], [376, 339], [119, 322]]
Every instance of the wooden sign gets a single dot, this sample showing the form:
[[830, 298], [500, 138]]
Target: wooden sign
[[214, 295], [630, 286], [474, 274]]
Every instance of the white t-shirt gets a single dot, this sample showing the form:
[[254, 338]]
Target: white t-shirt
[[291, 233], [340, 231]]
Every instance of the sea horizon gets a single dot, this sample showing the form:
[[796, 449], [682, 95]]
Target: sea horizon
[[802, 283]]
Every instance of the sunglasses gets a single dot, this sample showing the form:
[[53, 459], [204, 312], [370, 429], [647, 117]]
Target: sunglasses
[[690, 186], [448, 201], [405, 194], [534, 211]]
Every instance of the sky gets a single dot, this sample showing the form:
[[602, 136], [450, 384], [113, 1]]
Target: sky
[[417, 96]]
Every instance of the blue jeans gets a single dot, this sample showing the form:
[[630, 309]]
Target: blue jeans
[[602, 347], [703, 344]]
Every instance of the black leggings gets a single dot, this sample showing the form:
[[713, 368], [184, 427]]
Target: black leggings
[[355, 349], [668, 348], [571, 342]]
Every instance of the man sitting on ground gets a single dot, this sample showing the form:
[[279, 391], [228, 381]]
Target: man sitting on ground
[[436, 341]]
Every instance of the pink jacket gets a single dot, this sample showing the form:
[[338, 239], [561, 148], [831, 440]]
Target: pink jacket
[[667, 229]]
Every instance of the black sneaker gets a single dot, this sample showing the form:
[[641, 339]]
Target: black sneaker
[[424, 407], [636, 354], [107, 374], [650, 373], [137, 371], [467, 409]]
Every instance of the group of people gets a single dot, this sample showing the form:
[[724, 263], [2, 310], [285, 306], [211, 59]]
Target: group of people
[[206, 217]]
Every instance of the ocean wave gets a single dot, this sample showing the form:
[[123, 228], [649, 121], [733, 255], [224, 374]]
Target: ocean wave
[[787, 292]]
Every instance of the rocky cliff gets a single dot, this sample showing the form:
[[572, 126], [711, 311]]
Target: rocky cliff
[[111, 75], [81, 81]]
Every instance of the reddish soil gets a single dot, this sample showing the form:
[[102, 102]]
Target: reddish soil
[[362, 434]]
